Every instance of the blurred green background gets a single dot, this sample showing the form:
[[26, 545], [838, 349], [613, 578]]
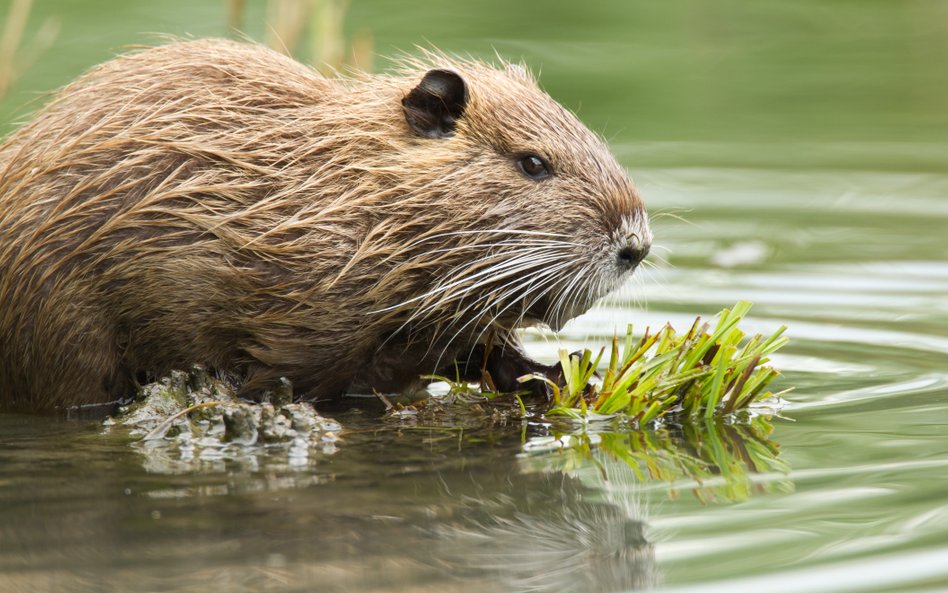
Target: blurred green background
[[848, 75]]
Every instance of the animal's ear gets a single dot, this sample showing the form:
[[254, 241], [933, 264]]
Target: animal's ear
[[433, 107]]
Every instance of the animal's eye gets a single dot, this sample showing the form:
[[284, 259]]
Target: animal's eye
[[533, 166]]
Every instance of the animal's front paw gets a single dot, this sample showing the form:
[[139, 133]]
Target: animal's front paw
[[504, 366]]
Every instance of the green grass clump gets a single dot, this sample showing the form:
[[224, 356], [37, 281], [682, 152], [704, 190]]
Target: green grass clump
[[702, 373]]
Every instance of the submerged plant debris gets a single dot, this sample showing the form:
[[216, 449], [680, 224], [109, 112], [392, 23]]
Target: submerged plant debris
[[191, 420]]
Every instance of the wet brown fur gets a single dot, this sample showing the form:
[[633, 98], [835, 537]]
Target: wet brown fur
[[218, 203]]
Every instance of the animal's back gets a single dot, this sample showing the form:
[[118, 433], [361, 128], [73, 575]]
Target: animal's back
[[133, 219]]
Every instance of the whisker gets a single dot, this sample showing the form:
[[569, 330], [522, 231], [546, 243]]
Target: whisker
[[561, 301], [494, 297], [540, 276], [453, 283], [494, 273], [667, 214], [484, 246], [572, 300], [491, 232], [501, 270], [506, 293]]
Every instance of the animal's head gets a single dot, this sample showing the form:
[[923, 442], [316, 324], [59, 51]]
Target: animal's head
[[527, 211]]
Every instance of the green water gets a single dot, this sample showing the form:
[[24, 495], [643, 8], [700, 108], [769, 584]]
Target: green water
[[792, 154]]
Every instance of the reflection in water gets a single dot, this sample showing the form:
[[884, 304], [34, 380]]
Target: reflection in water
[[480, 508], [394, 506], [716, 461], [564, 515], [547, 535]]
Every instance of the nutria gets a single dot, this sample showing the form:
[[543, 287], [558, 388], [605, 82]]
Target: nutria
[[218, 203]]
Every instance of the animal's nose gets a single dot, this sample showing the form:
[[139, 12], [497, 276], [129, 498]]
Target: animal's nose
[[631, 255]]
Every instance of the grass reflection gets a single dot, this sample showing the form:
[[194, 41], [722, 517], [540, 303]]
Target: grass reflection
[[716, 461]]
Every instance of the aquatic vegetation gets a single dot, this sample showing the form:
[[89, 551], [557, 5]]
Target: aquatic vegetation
[[704, 372], [679, 411]]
